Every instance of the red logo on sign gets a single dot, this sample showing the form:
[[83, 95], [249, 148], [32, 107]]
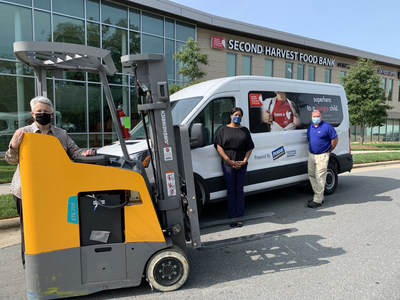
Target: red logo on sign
[[255, 100], [218, 42]]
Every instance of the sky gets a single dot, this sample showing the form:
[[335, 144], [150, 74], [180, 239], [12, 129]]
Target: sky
[[368, 25]]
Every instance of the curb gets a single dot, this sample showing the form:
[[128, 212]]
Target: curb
[[9, 223], [374, 164]]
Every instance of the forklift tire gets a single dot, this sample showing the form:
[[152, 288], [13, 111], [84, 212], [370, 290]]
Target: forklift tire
[[167, 270]]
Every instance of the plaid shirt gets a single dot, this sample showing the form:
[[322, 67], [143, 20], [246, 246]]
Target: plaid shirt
[[12, 155]]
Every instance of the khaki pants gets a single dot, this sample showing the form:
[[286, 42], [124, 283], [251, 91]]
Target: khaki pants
[[317, 168]]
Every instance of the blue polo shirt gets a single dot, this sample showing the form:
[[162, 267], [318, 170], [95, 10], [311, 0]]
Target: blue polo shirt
[[319, 138]]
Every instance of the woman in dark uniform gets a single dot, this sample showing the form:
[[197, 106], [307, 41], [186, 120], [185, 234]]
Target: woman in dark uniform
[[234, 145]]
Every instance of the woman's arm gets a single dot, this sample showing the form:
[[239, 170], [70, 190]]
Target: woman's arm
[[225, 157]]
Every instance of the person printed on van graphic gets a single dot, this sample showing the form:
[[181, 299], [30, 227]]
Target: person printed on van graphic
[[280, 113]]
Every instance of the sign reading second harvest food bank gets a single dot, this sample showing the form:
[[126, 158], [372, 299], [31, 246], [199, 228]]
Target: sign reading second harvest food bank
[[220, 43]]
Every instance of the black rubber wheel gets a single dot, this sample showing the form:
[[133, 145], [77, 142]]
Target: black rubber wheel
[[167, 270], [331, 179]]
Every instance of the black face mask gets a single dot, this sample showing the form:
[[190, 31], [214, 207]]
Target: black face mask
[[43, 119]]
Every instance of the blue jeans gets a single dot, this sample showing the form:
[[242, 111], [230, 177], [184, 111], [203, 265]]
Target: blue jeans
[[234, 179]]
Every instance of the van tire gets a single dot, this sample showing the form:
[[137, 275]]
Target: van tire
[[331, 178]]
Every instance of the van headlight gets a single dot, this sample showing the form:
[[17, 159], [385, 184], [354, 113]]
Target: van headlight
[[142, 156]]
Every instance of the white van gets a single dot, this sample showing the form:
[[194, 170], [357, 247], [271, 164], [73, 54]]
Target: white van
[[281, 150]]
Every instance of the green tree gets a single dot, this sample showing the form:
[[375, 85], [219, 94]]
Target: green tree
[[189, 58], [365, 96]]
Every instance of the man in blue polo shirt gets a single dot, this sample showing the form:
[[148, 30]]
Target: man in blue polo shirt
[[322, 138]]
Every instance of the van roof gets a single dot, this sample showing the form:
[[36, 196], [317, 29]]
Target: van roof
[[210, 86]]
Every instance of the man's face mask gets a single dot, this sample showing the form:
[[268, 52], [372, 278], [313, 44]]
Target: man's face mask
[[237, 119], [43, 118], [316, 120]]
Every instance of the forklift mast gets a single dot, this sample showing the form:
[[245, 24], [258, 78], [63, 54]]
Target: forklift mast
[[174, 188]]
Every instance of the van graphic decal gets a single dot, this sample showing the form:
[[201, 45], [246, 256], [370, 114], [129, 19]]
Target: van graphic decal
[[279, 152], [291, 153]]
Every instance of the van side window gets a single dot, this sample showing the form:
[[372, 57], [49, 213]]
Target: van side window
[[281, 111], [214, 116]]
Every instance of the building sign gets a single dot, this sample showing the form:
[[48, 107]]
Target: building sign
[[385, 72], [220, 43]]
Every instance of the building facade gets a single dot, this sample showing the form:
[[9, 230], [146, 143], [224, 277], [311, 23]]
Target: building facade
[[158, 26]]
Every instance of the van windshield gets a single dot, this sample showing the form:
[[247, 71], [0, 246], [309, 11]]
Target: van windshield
[[179, 109]]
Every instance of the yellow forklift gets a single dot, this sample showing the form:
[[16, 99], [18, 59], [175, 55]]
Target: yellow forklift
[[97, 223]]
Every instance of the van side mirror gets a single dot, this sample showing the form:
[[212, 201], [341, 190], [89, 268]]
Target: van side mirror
[[198, 136]]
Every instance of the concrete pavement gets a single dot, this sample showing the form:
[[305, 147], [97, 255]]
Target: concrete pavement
[[9, 228]]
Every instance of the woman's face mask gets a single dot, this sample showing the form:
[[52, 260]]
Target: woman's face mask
[[237, 119], [43, 118]]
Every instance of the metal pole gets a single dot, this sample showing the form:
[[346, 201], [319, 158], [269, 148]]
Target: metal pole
[[113, 112]]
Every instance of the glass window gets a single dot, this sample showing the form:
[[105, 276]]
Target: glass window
[[269, 67], [230, 64], [12, 67], [341, 77], [70, 101], [134, 42], [68, 30], [44, 4], [288, 70], [70, 7], [390, 90], [398, 97], [152, 44], [93, 34], [179, 77], [300, 72], [396, 130], [120, 96], [114, 14], [184, 31], [311, 73], [134, 19], [14, 106], [23, 2], [169, 51], [93, 10], [215, 115], [389, 130], [115, 40], [16, 25], [383, 84], [246, 65], [328, 75], [94, 99], [42, 26], [153, 24], [169, 28]]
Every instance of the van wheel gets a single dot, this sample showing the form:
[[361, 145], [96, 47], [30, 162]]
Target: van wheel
[[167, 270], [331, 178]]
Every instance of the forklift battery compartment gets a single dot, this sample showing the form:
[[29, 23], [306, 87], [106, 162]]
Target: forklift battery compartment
[[101, 224]]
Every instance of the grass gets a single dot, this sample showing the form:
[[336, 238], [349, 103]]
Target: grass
[[375, 146], [7, 207], [361, 158], [6, 171]]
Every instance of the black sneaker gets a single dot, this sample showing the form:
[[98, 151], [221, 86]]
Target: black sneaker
[[311, 200], [313, 204]]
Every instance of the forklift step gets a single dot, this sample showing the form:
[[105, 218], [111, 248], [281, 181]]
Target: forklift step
[[204, 225], [244, 239]]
